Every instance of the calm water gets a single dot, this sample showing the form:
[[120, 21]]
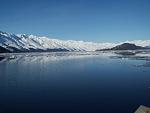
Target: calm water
[[73, 83]]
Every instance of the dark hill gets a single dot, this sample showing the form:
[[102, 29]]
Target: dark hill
[[127, 46], [124, 46]]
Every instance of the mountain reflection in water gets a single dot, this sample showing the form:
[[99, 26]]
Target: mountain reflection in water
[[74, 82]]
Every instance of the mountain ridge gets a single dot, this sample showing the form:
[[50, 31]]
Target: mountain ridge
[[31, 43]]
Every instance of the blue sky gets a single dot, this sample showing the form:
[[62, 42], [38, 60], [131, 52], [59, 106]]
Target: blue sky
[[88, 20]]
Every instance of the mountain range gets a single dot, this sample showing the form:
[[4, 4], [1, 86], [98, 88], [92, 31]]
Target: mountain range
[[29, 43]]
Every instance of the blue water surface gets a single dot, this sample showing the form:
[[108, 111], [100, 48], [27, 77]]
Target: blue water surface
[[76, 83]]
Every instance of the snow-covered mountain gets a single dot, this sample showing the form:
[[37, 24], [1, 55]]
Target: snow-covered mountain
[[30, 42], [24, 43]]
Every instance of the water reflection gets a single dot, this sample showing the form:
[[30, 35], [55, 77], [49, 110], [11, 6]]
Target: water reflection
[[56, 56], [73, 82], [1, 58], [45, 57], [143, 56]]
